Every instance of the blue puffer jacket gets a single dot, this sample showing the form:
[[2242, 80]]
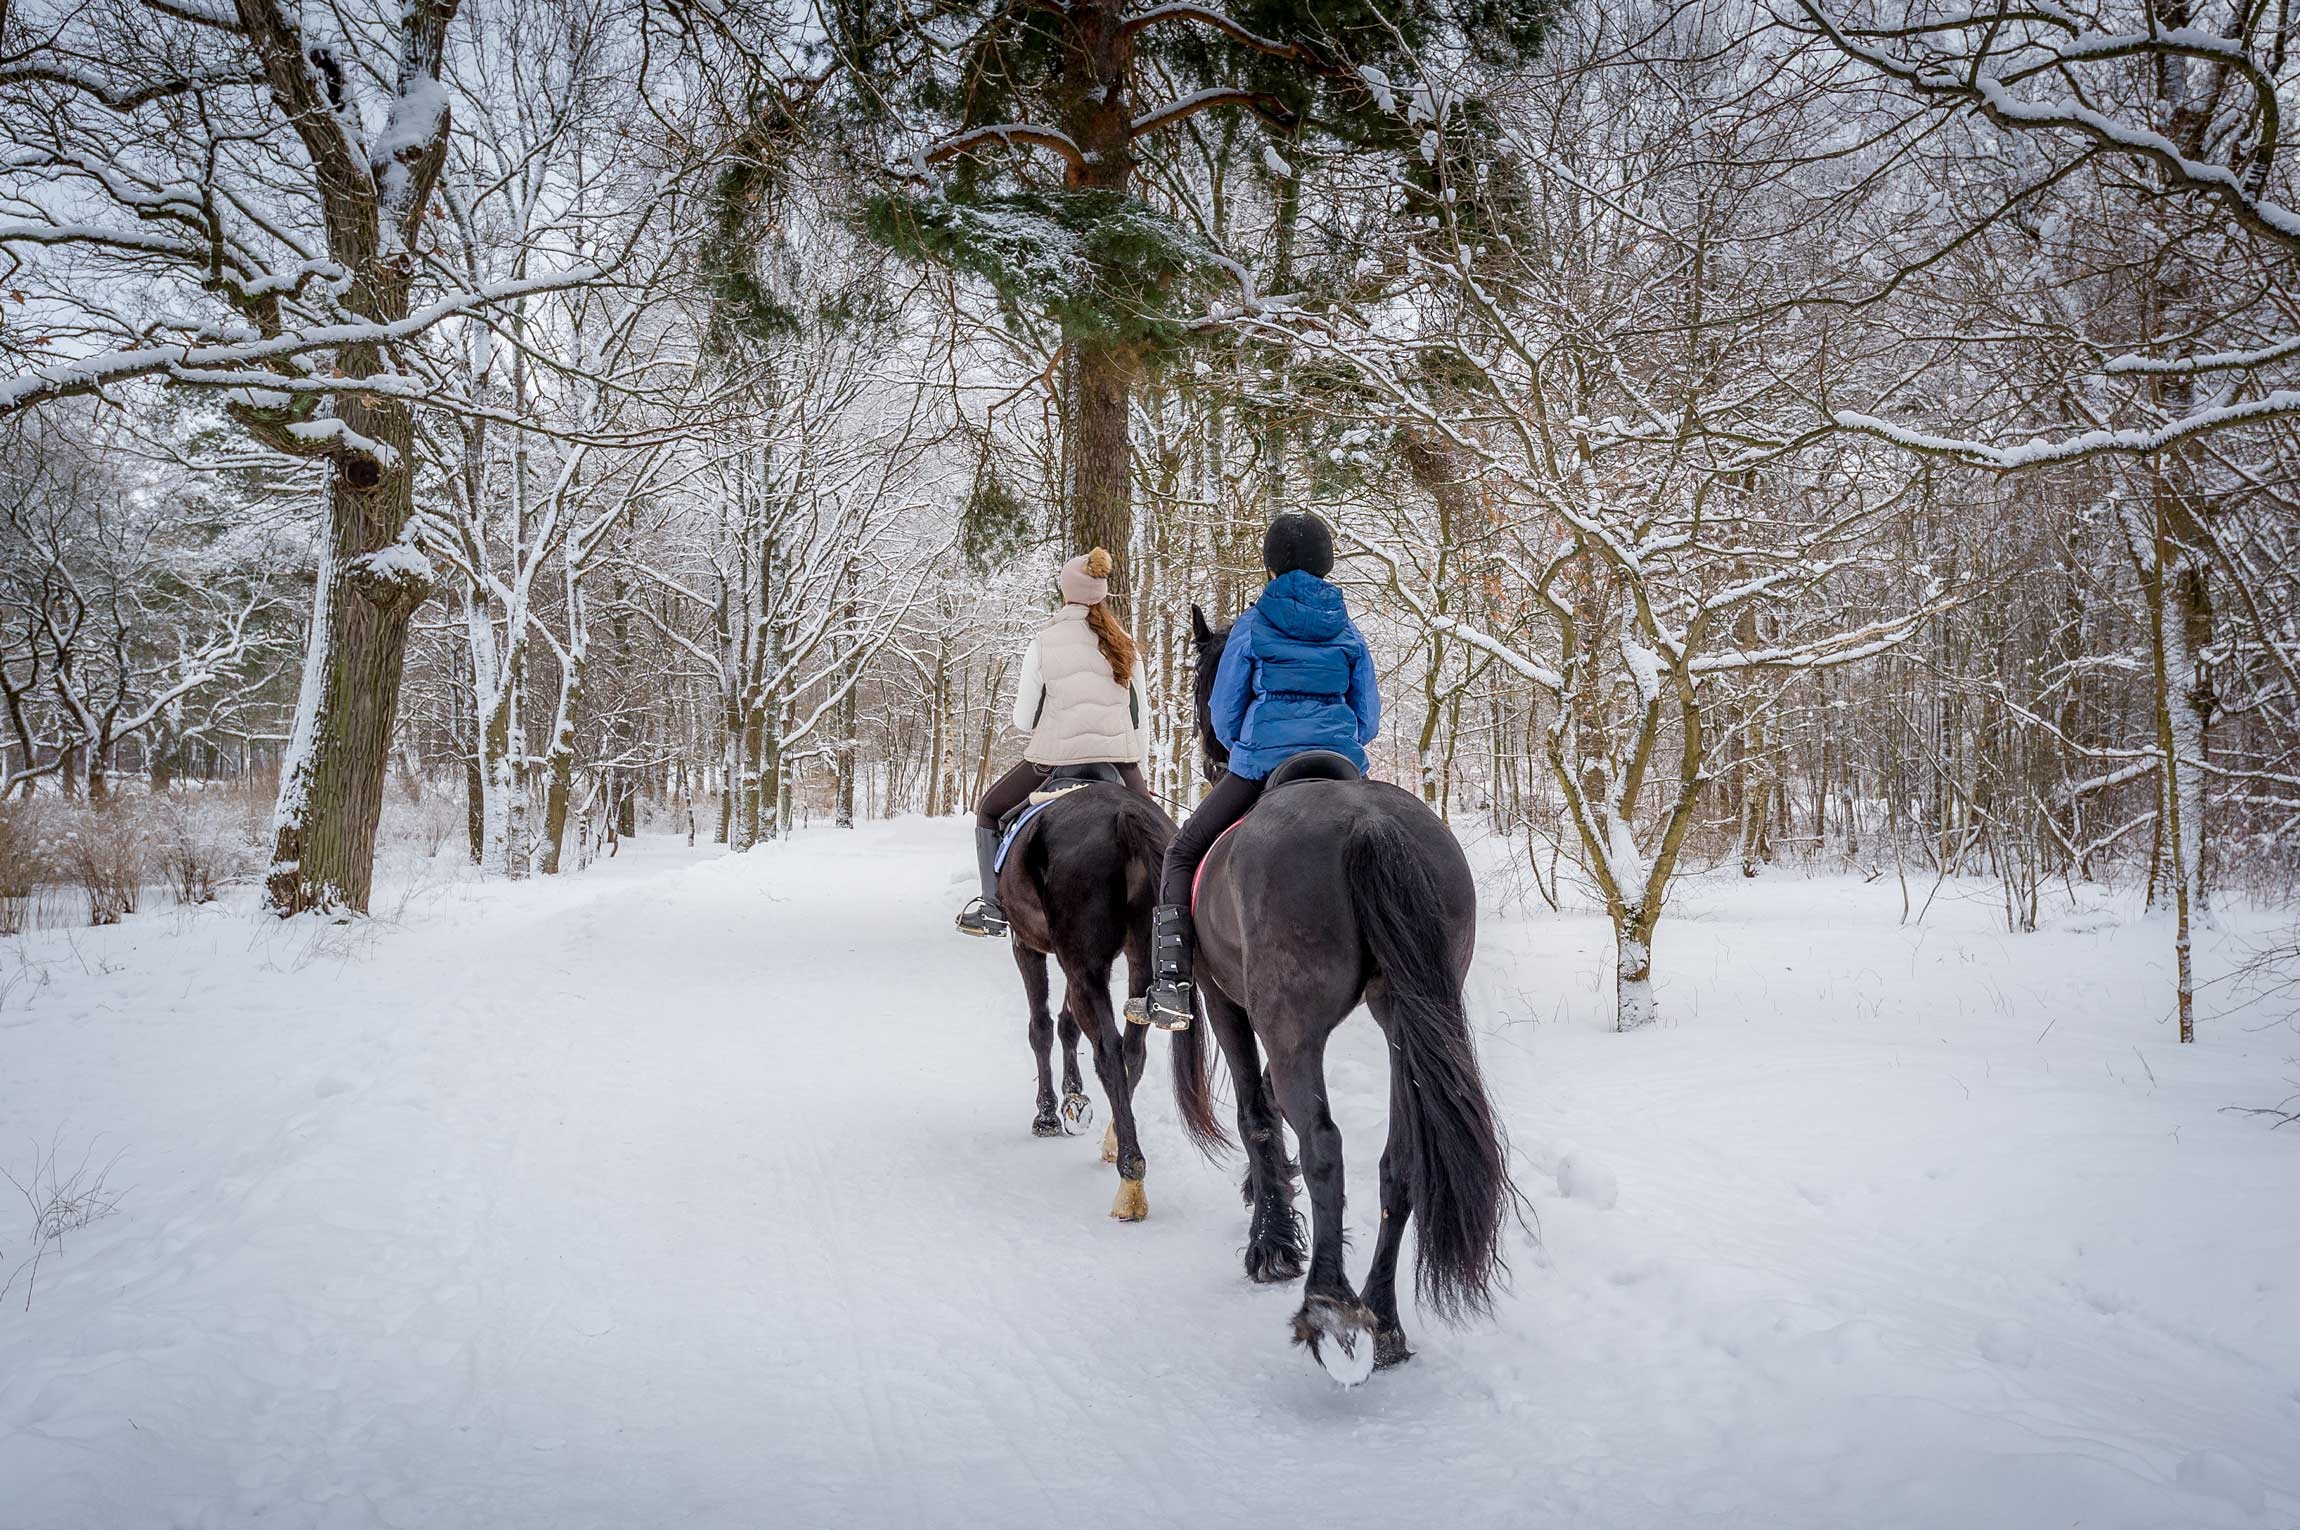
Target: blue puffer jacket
[[1295, 676]]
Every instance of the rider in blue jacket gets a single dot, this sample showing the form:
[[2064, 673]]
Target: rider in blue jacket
[[1295, 676]]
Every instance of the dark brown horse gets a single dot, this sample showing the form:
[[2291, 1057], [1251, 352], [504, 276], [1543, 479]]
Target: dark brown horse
[[1077, 885], [1332, 891]]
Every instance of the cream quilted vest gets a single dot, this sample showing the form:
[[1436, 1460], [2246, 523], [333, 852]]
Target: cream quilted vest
[[1075, 712]]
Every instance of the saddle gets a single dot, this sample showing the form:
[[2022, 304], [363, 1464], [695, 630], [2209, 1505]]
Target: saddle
[[1060, 782], [1068, 778], [1310, 765]]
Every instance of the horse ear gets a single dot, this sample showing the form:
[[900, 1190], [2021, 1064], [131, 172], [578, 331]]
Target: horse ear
[[1199, 631]]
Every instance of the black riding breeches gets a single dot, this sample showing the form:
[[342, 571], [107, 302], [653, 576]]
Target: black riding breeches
[[1224, 806], [1013, 789]]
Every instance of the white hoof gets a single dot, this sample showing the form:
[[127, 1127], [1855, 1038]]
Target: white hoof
[[1077, 1114], [1110, 1143], [1349, 1361]]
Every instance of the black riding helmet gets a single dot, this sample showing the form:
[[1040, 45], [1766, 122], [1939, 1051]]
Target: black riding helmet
[[1298, 540]]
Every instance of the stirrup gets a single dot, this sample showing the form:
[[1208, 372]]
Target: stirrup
[[981, 917], [1153, 1009]]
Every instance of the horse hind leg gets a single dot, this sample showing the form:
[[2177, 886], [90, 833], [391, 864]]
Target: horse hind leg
[[1336, 1327], [1274, 1253], [1390, 1347], [1134, 1040], [1033, 967], [1090, 999], [1133, 1056], [1077, 1105]]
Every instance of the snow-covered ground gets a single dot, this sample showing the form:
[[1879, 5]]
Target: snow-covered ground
[[700, 1191]]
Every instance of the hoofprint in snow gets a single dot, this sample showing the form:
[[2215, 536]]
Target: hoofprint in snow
[[701, 1191]]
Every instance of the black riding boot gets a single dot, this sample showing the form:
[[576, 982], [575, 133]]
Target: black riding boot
[[983, 916], [1170, 1004]]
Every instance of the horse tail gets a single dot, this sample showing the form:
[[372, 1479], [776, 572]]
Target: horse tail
[[1142, 837], [1458, 1172], [1194, 1090], [1146, 834]]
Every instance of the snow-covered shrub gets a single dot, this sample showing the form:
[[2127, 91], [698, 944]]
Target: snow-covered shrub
[[101, 848], [439, 821], [203, 839], [425, 824], [23, 865]]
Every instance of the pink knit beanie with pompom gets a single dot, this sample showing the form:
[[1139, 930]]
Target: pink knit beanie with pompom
[[1085, 579]]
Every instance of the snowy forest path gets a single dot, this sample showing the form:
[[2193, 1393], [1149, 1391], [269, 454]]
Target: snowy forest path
[[700, 1189]]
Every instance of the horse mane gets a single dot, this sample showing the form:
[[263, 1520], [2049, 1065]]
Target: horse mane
[[1208, 642]]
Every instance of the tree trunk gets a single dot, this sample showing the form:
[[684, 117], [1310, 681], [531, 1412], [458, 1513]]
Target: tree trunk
[[558, 778], [769, 808], [786, 810], [1101, 458], [1425, 746], [1446, 760], [99, 772], [2180, 606], [503, 779], [990, 722], [559, 758], [934, 748], [843, 801], [163, 757], [474, 799], [743, 825], [331, 786], [2174, 740], [731, 767], [559, 768], [623, 783], [844, 811], [498, 681], [1633, 1006], [1098, 117]]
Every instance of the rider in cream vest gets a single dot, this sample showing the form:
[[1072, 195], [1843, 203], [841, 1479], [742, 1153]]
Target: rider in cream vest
[[1077, 711], [1074, 710]]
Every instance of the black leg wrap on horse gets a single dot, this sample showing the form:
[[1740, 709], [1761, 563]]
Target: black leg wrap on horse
[[1170, 1004], [1170, 941]]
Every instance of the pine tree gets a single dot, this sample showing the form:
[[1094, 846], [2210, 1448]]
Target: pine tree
[[1029, 129]]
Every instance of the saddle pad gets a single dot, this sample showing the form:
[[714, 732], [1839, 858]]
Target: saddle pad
[[1199, 876], [1038, 803]]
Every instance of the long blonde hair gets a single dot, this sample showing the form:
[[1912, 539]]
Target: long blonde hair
[[1116, 646]]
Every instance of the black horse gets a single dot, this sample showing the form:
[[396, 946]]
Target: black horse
[[1077, 885], [1331, 891]]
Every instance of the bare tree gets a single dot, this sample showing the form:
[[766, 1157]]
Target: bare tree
[[2159, 123], [125, 624]]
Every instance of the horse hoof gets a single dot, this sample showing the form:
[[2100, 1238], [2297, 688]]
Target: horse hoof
[[1077, 1114], [1110, 1143], [1340, 1336], [1046, 1124], [1273, 1266], [1132, 1204], [1390, 1349]]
